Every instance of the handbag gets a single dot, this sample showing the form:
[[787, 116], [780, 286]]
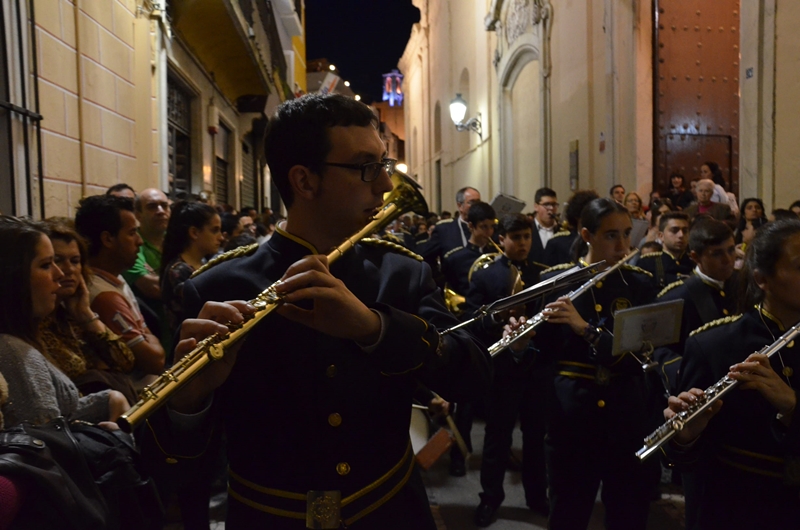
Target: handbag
[[78, 475]]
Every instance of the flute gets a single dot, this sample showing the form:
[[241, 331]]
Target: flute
[[676, 424]]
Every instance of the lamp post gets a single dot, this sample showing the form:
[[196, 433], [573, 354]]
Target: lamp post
[[458, 110]]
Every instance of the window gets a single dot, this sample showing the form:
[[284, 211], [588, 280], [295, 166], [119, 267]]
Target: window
[[249, 183], [179, 126], [221, 153]]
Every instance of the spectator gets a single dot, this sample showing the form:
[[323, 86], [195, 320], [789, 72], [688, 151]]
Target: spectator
[[29, 281], [652, 246], [659, 207], [634, 205], [193, 234], [712, 171], [267, 218], [677, 193], [795, 207], [75, 339], [110, 227], [121, 190], [248, 226], [617, 192], [783, 214], [152, 211], [251, 212], [231, 226], [445, 215], [719, 211], [752, 218], [241, 240]]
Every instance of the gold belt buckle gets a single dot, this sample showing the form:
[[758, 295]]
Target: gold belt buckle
[[323, 509]]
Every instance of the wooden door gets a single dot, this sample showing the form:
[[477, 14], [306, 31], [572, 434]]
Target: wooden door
[[696, 69]]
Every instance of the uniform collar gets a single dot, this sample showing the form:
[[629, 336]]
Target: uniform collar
[[770, 319], [708, 280], [290, 244], [676, 258]]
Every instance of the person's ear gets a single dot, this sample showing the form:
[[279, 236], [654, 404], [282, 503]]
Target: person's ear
[[107, 239], [586, 235], [694, 256], [194, 233], [304, 182], [762, 280]]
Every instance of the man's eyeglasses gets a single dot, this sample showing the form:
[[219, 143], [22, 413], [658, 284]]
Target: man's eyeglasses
[[371, 170], [549, 204]]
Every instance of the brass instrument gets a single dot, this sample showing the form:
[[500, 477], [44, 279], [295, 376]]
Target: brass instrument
[[453, 300], [536, 320], [711, 394], [404, 197]]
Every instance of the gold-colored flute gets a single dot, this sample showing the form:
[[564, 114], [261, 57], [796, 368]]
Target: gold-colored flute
[[404, 197]]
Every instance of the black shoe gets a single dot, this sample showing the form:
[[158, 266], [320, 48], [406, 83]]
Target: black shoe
[[541, 506], [484, 514], [457, 468]]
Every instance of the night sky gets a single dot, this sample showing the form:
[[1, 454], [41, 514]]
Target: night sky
[[362, 38]]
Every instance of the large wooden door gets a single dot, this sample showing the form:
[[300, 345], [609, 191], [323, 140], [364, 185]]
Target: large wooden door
[[696, 68]]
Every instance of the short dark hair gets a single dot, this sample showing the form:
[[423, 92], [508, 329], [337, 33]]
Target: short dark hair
[[615, 186], [18, 241], [794, 204], [119, 187], [63, 229], [460, 194], [298, 134], [576, 203], [707, 233], [651, 246], [240, 241], [666, 217], [782, 214], [229, 222], [513, 222], [480, 211], [98, 214], [543, 192]]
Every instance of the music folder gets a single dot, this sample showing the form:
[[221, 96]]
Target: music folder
[[647, 326], [504, 204]]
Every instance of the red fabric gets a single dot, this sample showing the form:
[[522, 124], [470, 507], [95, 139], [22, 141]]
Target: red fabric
[[10, 501]]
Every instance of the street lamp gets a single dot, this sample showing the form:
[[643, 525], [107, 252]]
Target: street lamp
[[458, 110], [401, 167]]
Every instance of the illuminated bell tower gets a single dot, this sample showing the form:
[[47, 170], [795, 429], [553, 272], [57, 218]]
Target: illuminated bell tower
[[393, 88]]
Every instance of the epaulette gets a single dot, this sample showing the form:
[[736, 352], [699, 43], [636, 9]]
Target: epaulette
[[451, 251], [388, 236], [651, 254], [225, 256], [668, 288], [637, 269], [715, 323], [560, 267], [444, 221], [562, 233], [400, 249]]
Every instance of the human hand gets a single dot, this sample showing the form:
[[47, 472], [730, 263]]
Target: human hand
[[78, 305], [562, 311], [439, 407], [513, 325], [117, 405], [681, 403], [193, 330], [336, 311], [756, 373]]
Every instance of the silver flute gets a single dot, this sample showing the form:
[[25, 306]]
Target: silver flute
[[711, 394], [540, 317]]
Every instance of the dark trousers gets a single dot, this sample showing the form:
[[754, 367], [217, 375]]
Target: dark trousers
[[463, 417], [509, 399], [576, 465]]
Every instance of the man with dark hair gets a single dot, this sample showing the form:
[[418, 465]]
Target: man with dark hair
[[545, 224], [559, 248], [673, 262], [110, 226], [457, 262], [709, 293], [231, 227], [121, 190], [316, 402], [617, 192], [449, 233], [518, 384]]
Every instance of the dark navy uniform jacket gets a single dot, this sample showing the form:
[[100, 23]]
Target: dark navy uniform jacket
[[595, 393], [665, 267], [739, 465], [559, 247], [307, 411], [703, 302], [456, 265], [445, 237]]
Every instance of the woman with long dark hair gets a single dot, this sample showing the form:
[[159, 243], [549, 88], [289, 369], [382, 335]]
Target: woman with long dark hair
[[29, 282], [600, 406], [740, 457], [680, 196], [193, 234], [753, 216]]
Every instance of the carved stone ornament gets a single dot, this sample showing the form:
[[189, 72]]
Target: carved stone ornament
[[521, 14]]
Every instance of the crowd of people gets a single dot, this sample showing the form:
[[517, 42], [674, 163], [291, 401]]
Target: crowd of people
[[314, 405]]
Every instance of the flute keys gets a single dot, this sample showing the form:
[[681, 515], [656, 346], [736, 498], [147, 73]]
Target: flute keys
[[598, 307]]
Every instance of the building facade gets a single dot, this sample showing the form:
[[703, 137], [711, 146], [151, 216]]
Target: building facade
[[594, 93], [172, 95]]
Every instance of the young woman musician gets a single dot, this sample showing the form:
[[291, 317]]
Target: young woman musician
[[598, 407], [741, 457]]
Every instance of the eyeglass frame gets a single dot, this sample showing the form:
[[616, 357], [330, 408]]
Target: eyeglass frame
[[387, 164]]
